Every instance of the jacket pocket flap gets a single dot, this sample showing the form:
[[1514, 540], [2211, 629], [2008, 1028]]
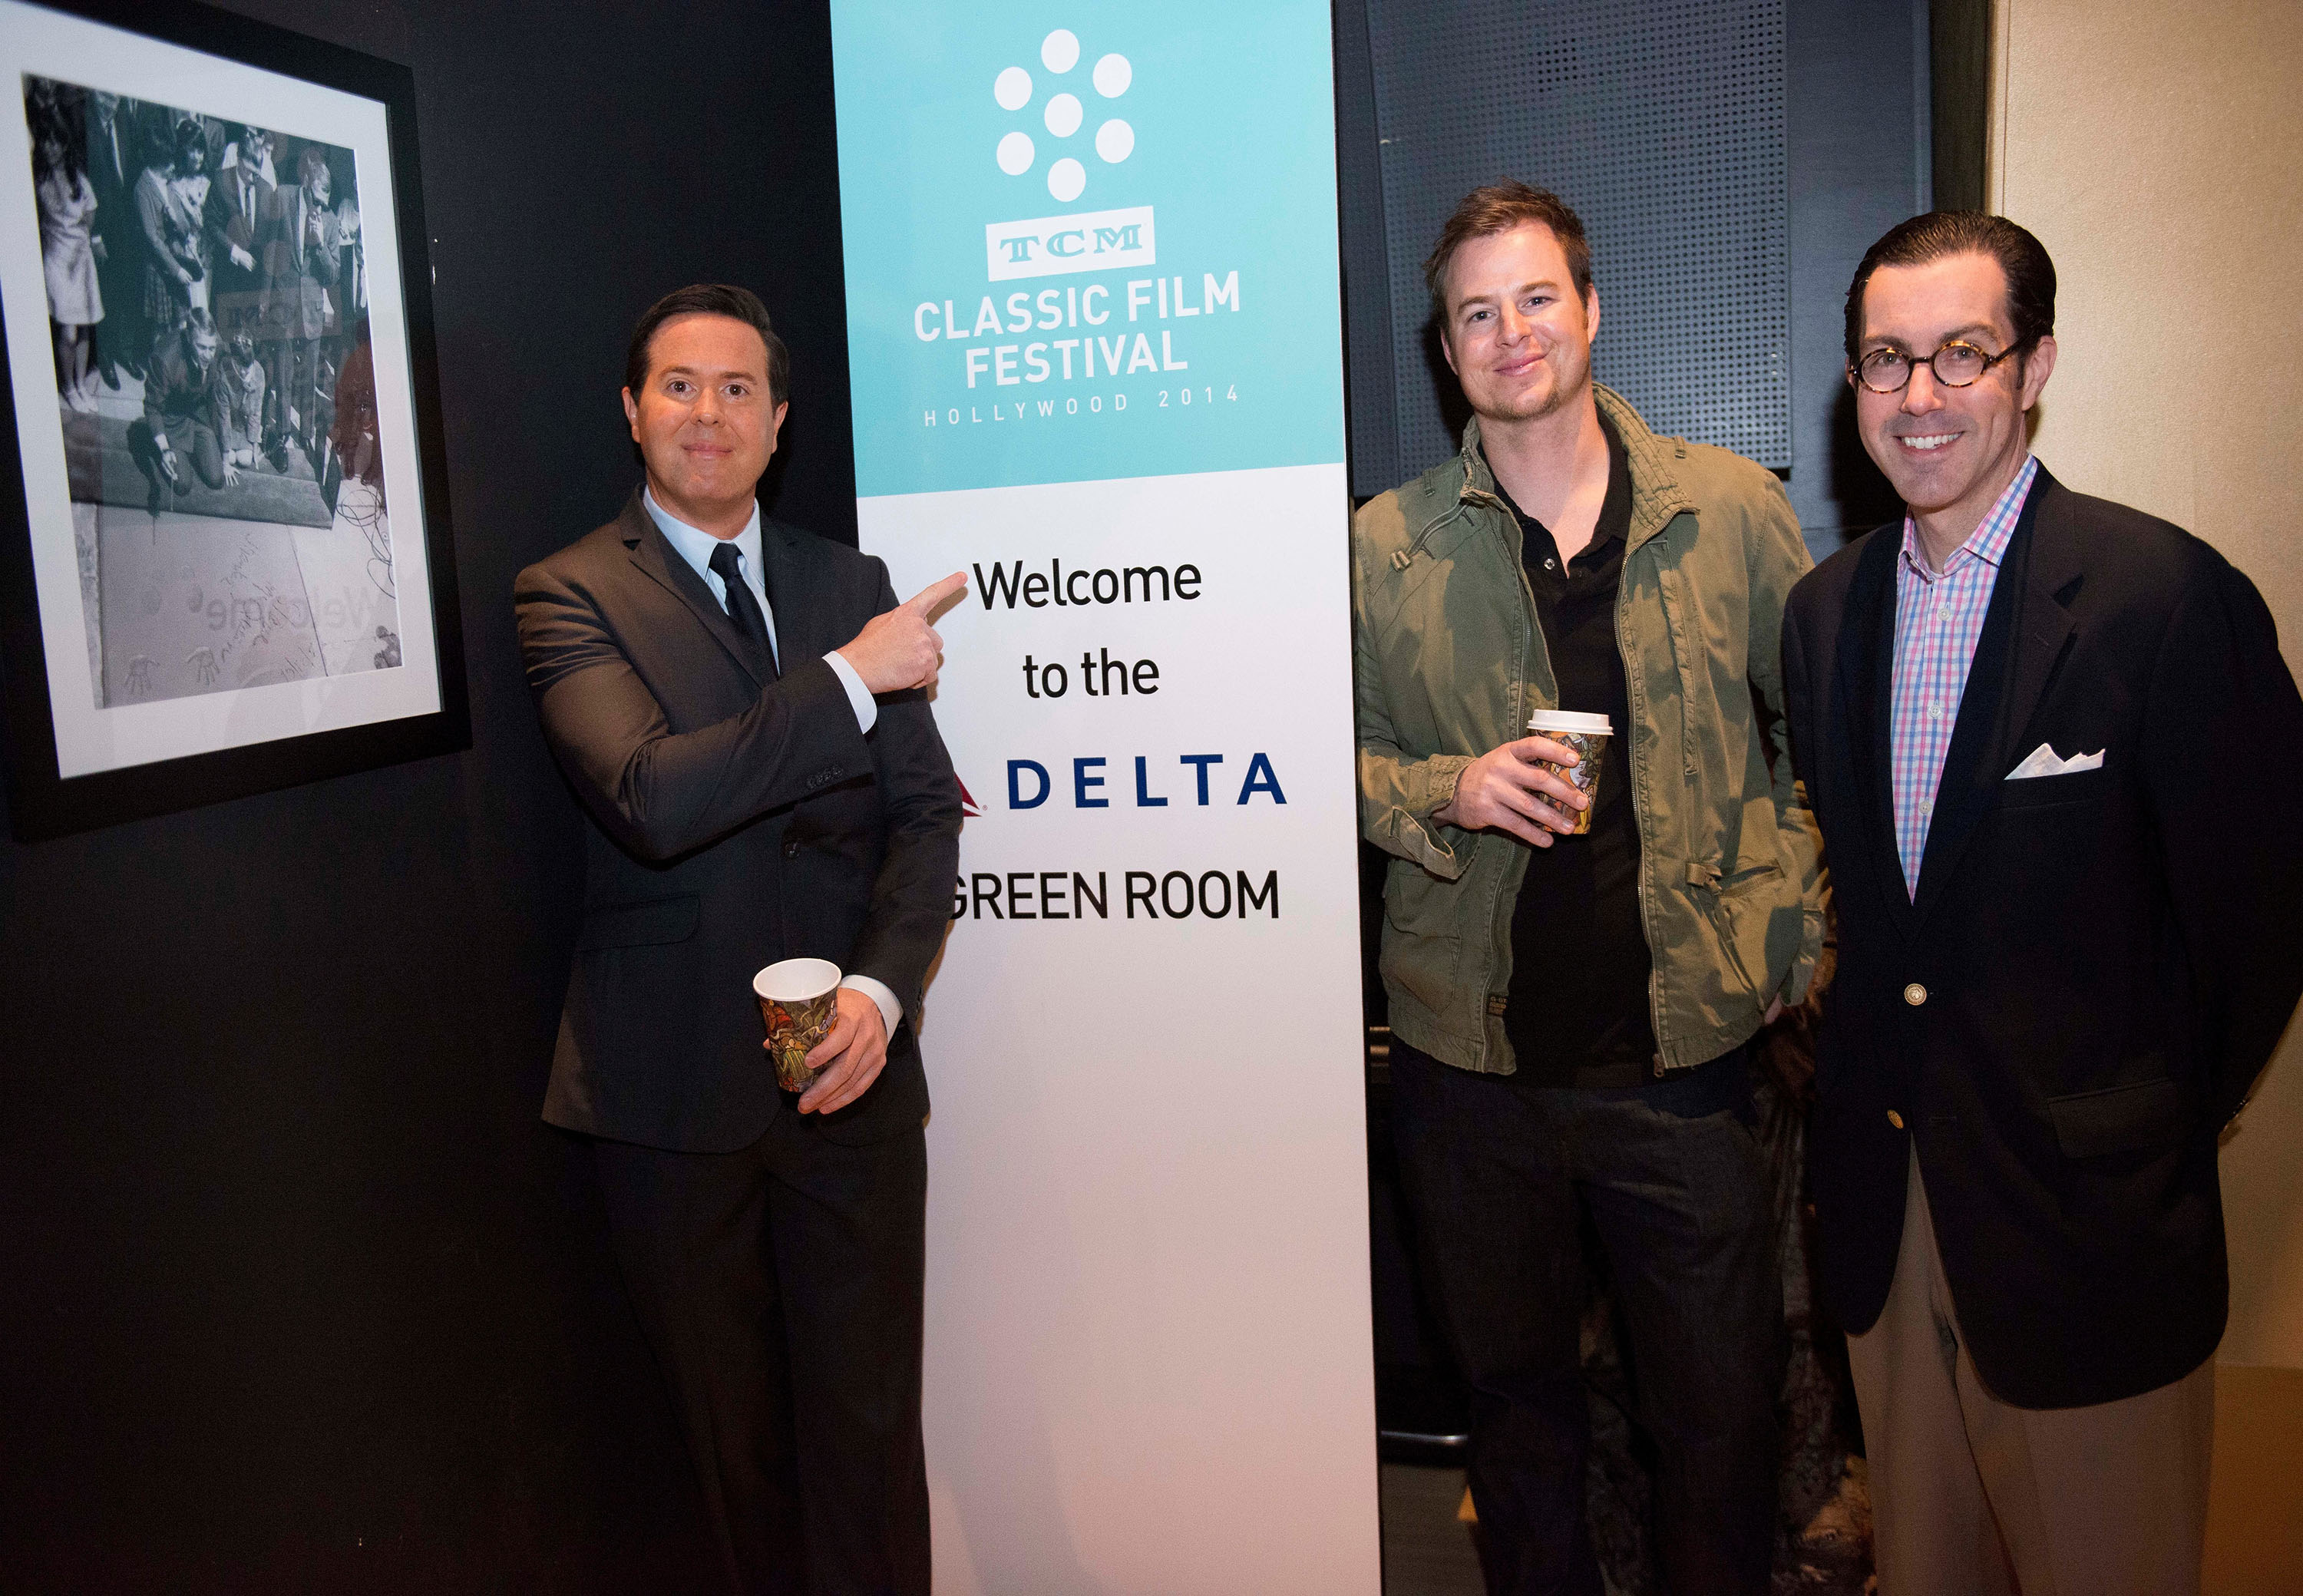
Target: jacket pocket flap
[[641, 924], [2119, 1119]]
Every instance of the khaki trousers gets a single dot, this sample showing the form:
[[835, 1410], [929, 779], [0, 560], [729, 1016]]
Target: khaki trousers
[[1971, 1495]]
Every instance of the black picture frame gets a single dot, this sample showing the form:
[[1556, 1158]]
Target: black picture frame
[[45, 799]]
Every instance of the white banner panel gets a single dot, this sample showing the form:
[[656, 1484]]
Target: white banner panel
[[1095, 340]]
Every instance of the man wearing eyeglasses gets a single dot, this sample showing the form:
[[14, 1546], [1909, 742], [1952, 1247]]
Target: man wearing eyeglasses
[[2056, 759]]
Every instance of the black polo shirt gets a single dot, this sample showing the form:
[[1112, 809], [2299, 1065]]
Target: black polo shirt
[[1577, 1008]]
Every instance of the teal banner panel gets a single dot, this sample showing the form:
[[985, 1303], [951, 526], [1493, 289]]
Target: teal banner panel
[[1087, 241]]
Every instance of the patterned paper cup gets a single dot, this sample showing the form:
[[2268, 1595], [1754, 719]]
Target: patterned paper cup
[[1587, 736], [799, 998]]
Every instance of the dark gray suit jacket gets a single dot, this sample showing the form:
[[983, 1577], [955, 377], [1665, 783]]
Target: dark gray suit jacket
[[735, 823]]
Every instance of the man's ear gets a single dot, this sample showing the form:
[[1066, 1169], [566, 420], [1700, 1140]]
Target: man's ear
[[632, 414], [1592, 312], [1447, 346], [2038, 366]]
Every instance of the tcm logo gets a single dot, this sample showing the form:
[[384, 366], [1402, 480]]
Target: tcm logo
[[1093, 241]]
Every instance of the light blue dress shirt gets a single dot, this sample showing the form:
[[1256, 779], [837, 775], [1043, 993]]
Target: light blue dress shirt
[[694, 545]]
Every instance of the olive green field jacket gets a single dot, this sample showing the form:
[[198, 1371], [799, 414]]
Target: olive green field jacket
[[1449, 663]]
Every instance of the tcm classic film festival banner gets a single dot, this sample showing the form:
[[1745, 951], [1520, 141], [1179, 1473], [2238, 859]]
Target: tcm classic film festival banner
[[1096, 348]]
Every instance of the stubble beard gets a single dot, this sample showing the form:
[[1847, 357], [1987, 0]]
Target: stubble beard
[[1557, 397]]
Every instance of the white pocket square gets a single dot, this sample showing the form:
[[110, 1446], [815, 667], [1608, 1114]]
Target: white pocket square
[[2041, 761]]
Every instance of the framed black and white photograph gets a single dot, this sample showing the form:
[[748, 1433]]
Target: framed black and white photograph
[[227, 562]]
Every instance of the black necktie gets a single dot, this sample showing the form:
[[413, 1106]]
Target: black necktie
[[743, 609]]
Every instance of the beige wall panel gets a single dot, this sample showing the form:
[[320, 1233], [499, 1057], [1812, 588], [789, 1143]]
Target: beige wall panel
[[2157, 151]]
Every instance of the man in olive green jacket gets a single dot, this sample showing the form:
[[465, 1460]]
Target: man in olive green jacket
[[1576, 970]]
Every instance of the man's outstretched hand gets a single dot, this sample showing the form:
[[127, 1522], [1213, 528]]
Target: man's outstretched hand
[[899, 649]]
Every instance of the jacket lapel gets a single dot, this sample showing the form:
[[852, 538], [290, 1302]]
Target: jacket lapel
[[2045, 627], [1865, 690], [2025, 632], [798, 606], [660, 562]]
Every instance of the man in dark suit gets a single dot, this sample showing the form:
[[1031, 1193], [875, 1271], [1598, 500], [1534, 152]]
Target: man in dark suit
[[741, 707], [302, 245], [2058, 763], [114, 159], [240, 205], [181, 433]]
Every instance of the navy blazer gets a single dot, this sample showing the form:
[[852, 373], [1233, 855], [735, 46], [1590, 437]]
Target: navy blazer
[[2098, 964], [735, 822]]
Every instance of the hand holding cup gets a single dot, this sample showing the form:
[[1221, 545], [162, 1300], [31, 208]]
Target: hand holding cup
[[799, 1000], [1526, 789]]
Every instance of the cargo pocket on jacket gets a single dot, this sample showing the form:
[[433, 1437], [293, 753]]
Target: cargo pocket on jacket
[[1731, 903], [2118, 1119], [1422, 942]]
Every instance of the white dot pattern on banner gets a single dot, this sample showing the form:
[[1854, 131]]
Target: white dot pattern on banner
[[1016, 154], [1661, 122], [1012, 88], [1112, 76], [1059, 51], [1064, 115], [1065, 179], [1115, 141]]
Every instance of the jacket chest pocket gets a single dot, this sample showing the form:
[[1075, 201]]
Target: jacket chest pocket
[[2055, 792]]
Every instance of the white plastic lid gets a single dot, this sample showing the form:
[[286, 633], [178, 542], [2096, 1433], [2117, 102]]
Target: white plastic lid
[[1567, 720]]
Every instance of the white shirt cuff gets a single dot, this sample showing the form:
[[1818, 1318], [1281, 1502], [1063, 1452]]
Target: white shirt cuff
[[891, 1010], [867, 716]]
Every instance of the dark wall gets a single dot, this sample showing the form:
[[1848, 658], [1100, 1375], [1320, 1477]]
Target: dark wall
[[1860, 135], [1960, 41], [296, 1291], [1857, 155]]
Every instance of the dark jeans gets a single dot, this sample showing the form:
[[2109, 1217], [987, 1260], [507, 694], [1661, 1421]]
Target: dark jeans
[[1497, 1177]]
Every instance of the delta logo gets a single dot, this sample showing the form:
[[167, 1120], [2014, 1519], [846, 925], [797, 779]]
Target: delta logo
[[1192, 780], [1083, 241]]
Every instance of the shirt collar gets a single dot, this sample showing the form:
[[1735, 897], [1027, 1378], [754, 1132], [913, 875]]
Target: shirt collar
[[1989, 540], [695, 545], [1615, 511]]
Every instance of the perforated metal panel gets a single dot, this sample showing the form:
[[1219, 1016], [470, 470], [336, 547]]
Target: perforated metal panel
[[1661, 122]]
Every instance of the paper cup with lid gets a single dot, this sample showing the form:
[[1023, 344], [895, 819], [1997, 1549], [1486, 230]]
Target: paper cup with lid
[[1588, 735]]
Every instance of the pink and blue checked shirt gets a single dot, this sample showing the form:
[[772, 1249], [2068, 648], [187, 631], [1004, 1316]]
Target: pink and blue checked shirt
[[1938, 618]]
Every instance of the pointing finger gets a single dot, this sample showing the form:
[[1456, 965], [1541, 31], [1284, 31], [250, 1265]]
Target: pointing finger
[[928, 598]]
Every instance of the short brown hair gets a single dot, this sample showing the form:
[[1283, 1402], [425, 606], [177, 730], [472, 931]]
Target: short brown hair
[[709, 299], [1499, 207], [2022, 258]]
